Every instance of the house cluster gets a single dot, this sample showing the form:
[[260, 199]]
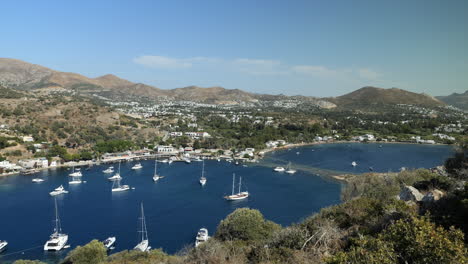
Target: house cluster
[[7, 167], [37, 163], [419, 140], [275, 143], [444, 137], [193, 135], [450, 128], [366, 137]]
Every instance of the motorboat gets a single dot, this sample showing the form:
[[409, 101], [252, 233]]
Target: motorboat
[[164, 161], [289, 170], [236, 196], [75, 180], [3, 245], [109, 243], [354, 164], [137, 166], [156, 176], [279, 169], [144, 243], [109, 170], [188, 161], [203, 178], [37, 180], [57, 241], [75, 173], [202, 236], [57, 191]]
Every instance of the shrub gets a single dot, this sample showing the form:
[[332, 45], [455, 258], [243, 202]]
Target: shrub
[[245, 224], [91, 253]]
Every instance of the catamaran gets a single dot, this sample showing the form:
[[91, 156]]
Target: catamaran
[[202, 236], [289, 169], [75, 173], [279, 169], [57, 240], [58, 190], [116, 176], [109, 170], [156, 177], [137, 166], [238, 196], [203, 178], [3, 245], [144, 244], [109, 243]]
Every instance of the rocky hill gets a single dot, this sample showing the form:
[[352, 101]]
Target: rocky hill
[[456, 99], [373, 96]]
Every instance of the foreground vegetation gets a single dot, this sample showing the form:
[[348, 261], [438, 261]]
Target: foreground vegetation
[[370, 226]]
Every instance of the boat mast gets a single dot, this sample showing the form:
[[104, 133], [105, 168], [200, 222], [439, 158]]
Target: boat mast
[[119, 167], [58, 228], [203, 170], [240, 183], [155, 166], [233, 178], [144, 232]]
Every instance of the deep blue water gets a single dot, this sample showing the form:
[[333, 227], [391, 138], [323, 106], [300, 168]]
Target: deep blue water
[[381, 157], [177, 206]]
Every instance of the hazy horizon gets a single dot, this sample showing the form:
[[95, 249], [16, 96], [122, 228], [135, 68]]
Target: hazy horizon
[[274, 47]]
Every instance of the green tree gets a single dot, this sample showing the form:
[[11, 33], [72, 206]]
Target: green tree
[[21, 261], [92, 253], [245, 224]]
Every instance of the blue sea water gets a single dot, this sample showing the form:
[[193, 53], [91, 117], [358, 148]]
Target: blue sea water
[[177, 206]]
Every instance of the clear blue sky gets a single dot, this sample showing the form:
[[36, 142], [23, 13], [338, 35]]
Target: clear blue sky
[[320, 48]]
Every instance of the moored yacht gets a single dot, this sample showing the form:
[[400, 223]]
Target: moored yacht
[[137, 166], [75, 180], [156, 176], [202, 236], [109, 170], [58, 190], [279, 169], [238, 196], [57, 240], [109, 243], [3, 245], [289, 170], [117, 187], [354, 164], [203, 178], [75, 173], [144, 243], [37, 180], [115, 176]]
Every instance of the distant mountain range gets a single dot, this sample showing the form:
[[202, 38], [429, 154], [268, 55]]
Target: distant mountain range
[[456, 99], [25, 76]]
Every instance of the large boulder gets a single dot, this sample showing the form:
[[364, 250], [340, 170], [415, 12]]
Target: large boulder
[[409, 193]]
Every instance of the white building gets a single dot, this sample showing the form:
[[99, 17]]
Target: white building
[[165, 149], [28, 139]]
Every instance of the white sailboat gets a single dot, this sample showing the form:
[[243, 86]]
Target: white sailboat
[[3, 245], [279, 169], [75, 173], [238, 196], [57, 240], [144, 243], [202, 236], [37, 180], [156, 177], [109, 170], [58, 190], [75, 180], [289, 170], [116, 176], [117, 187], [203, 178], [137, 166]]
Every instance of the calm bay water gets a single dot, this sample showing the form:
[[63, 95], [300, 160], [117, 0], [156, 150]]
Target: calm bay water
[[177, 206]]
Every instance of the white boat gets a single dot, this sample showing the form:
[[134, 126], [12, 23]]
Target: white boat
[[137, 166], [58, 190], [144, 243], [109, 170], [37, 180], [354, 164], [164, 161], [75, 173], [116, 176], [197, 159], [117, 187], [57, 240], [75, 180], [188, 161], [238, 196], [156, 176], [289, 170], [203, 178], [279, 169], [202, 236], [3, 245], [109, 243], [219, 159]]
